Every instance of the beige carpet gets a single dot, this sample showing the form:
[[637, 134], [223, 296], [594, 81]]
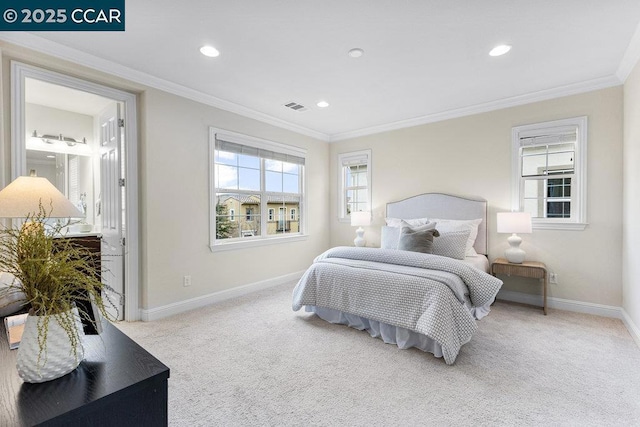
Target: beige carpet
[[253, 361]]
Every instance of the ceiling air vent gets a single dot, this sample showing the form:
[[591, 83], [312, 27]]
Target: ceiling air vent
[[295, 106]]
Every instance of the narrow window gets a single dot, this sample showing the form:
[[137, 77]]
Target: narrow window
[[355, 183], [549, 167]]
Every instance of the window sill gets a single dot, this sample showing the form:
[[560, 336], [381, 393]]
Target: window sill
[[574, 226], [239, 244]]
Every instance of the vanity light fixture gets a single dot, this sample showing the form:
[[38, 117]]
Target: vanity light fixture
[[500, 50], [322, 104], [50, 139], [209, 51], [356, 52]]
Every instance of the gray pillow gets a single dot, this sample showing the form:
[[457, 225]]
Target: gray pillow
[[452, 244], [417, 239]]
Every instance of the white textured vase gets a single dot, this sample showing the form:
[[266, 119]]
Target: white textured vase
[[56, 360]]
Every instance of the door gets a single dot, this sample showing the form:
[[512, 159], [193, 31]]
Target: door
[[111, 191]]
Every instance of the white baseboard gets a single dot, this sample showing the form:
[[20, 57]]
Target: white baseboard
[[563, 304], [193, 303], [631, 326]]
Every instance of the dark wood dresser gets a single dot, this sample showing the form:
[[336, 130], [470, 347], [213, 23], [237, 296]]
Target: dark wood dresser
[[118, 384]]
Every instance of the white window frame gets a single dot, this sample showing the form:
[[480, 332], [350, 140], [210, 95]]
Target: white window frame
[[364, 157], [578, 219], [232, 214], [264, 239], [271, 215], [292, 214]]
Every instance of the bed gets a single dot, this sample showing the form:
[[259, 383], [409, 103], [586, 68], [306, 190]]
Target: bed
[[431, 301]]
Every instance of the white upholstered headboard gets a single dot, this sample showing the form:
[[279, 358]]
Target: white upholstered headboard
[[444, 206]]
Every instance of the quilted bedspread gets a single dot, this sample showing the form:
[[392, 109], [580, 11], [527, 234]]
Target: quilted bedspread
[[420, 292]]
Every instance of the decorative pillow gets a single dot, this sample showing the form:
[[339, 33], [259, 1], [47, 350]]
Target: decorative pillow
[[450, 225], [389, 237], [452, 244], [419, 239], [397, 222]]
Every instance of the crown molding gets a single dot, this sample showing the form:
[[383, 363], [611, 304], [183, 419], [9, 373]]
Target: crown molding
[[543, 95], [45, 46], [49, 47], [631, 57]]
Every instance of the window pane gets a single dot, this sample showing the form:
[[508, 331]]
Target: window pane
[[558, 209], [349, 177], [534, 165], [361, 196], [559, 148], [562, 161], [273, 165], [290, 167], [532, 188], [290, 184], [249, 218], [249, 179], [286, 215], [226, 176], [226, 158], [362, 178], [273, 181], [248, 161], [534, 207], [227, 207]]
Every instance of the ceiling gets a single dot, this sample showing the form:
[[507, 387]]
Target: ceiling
[[424, 60]]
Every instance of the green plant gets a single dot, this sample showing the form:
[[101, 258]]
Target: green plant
[[224, 226], [53, 272]]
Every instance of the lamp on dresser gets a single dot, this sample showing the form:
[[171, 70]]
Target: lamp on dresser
[[360, 219], [514, 222]]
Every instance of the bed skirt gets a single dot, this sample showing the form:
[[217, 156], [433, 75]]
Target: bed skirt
[[403, 338]]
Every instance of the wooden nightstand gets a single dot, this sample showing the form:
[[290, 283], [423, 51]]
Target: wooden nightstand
[[532, 269]]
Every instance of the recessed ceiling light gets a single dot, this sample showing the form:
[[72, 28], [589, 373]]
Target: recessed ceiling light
[[322, 104], [51, 157], [356, 52], [209, 51], [500, 50]]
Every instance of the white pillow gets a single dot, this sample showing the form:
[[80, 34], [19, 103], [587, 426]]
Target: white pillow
[[389, 237], [397, 222], [450, 225]]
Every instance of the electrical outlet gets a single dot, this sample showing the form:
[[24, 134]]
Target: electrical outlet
[[553, 278], [186, 281]]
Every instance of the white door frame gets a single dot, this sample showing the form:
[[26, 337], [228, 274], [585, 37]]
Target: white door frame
[[19, 72]]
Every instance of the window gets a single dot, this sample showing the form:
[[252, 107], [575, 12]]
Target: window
[[549, 173], [355, 183], [254, 177], [292, 214]]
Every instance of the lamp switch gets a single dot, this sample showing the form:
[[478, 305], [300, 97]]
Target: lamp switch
[[186, 281], [553, 278]]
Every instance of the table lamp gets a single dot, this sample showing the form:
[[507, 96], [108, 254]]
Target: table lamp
[[359, 219], [514, 222], [25, 194]]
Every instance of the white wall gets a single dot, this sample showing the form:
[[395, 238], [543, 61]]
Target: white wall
[[471, 156], [175, 203], [631, 207]]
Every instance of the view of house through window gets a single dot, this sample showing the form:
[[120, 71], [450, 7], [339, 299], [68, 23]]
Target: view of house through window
[[258, 192]]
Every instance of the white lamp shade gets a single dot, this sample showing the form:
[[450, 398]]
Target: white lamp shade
[[514, 222], [24, 195], [359, 219]]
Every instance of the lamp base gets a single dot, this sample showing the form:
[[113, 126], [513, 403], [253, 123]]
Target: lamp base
[[514, 254], [359, 240]]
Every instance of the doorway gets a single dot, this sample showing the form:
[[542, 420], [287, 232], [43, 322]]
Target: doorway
[[83, 138]]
